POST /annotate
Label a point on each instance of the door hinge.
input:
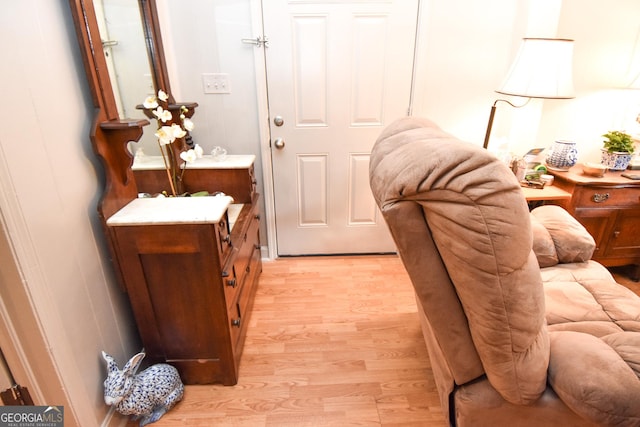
(258, 41)
(16, 396)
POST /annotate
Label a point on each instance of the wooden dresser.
(609, 208)
(191, 266)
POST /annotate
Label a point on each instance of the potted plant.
(617, 150)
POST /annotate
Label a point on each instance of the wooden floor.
(622, 275)
(333, 341)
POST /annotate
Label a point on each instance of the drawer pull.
(232, 282)
(235, 322)
(616, 234)
(600, 197)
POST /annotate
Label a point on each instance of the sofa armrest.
(571, 241)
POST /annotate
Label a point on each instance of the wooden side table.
(609, 208)
(548, 193)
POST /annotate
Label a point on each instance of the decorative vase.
(562, 155)
(616, 161)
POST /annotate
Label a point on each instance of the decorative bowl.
(594, 169)
(547, 179)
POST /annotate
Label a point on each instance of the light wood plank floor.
(332, 341)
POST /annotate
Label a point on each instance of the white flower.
(177, 131)
(162, 95)
(165, 135)
(168, 132)
(188, 124)
(162, 114)
(150, 102)
(199, 151)
(189, 156)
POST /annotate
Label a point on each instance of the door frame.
(27, 356)
(416, 98)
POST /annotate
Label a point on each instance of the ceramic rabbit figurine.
(147, 395)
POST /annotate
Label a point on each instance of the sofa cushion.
(572, 241)
(627, 345)
(584, 297)
(593, 379)
(543, 245)
(594, 326)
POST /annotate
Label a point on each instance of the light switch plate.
(216, 83)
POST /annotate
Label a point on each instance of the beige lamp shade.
(542, 69)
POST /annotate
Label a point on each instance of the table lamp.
(541, 69)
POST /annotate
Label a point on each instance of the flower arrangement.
(172, 131)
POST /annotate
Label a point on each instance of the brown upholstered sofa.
(516, 337)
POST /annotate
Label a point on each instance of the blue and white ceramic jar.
(562, 155)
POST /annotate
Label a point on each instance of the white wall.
(204, 36)
(470, 46)
(606, 56)
(48, 196)
(466, 48)
(463, 54)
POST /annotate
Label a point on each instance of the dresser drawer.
(244, 240)
(230, 280)
(250, 242)
(595, 197)
(240, 309)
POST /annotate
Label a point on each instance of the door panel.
(312, 191)
(337, 73)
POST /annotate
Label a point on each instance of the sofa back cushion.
(479, 221)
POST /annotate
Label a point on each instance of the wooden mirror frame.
(155, 49)
(109, 134)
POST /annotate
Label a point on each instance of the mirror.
(122, 38)
(124, 61)
(132, 46)
(120, 77)
(111, 133)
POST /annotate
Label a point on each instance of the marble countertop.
(232, 161)
(233, 213)
(172, 210)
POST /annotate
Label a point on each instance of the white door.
(338, 72)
